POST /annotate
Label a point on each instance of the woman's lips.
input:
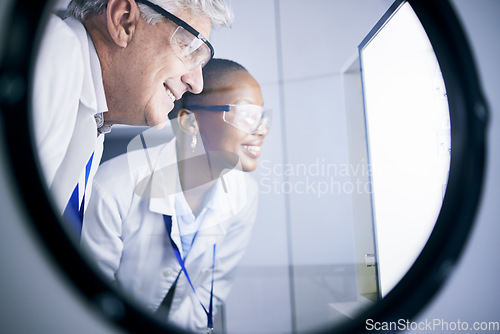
(252, 149)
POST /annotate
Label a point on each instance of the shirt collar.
(95, 67)
(92, 94)
(102, 106)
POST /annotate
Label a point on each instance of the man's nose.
(194, 80)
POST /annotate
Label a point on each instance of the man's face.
(148, 75)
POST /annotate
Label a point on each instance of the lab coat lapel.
(220, 211)
(228, 198)
(205, 240)
(221, 208)
(162, 186)
(84, 139)
(79, 150)
(92, 94)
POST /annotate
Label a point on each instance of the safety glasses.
(249, 118)
(189, 45)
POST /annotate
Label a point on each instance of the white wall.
(302, 254)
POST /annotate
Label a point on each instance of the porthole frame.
(469, 118)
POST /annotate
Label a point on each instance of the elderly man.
(112, 62)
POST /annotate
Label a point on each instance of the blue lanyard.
(74, 209)
(209, 312)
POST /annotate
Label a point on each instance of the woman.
(186, 208)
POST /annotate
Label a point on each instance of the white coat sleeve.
(102, 230)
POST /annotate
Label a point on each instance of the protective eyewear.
(249, 118)
(189, 45)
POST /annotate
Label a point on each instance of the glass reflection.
(169, 224)
(317, 254)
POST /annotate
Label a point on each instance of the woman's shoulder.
(129, 167)
(241, 187)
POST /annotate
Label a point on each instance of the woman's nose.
(262, 130)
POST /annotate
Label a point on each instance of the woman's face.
(217, 135)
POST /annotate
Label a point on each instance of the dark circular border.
(468, 113)
(468, 117)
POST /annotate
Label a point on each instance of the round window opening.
(414, 141)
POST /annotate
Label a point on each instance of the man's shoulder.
(61, 47)
(62, 30)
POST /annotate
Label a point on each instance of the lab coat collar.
(92, 94)
(163, 189)
(95, 65)
(225, 199)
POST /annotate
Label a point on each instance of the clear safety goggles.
(249, 118)
(189, 45)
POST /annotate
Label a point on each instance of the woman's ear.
(187, 121)
(122, 17)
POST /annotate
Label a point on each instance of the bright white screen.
(408, 133)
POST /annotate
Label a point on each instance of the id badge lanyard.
(74, 209)
(209, 312)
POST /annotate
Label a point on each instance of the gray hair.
(217, 11)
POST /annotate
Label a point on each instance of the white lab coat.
(67, 93)
(124, 232)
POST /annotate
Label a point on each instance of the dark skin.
(219, 145)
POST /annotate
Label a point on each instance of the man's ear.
(187, 121)
(122, 17)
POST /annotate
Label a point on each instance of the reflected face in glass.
(218, 135)
(148, 75)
